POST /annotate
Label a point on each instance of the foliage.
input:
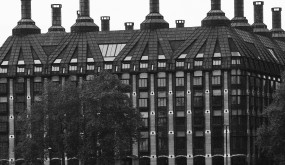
(92, 120)
(271, 135)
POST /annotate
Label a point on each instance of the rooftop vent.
(129, 26)
(105, 23)
(239, 21)
(277, 31)
(258, 26)
(26, 25)
(56, 19)
(154, 20)
(84, 23)
(216, 17)
(180, 23)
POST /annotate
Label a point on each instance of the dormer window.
(199, 60)
(90, 66)
(143, 65)
(217, 59)
(161, 64)
(198, 63)
(3, 69)
(108, 66)
(21, 69)
(179, 64)
(55, 68)
(38, 69)
(126, 66)
(72, 67)
(182, 56)
(144, 58)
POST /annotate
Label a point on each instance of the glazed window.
(38, 69)
(90, 67)
(179, 64)
(3, 70)
(108, 66)
(143, 99)
(198, 78)
(161, 79)
(125, 78)
(161, 100)
(55, 68)
(111, 50)
(143, 65)
(144, 117)
(144, 142)
(126, 66)
(179, 79)
(161, 64)
(216, 77)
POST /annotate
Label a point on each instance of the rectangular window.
(161, 79)
(143, 99)
(236, 76)
(3, 126)
(108, 66)
(144, 119)
(198, 78)
(3, 88)
(144, 142)
(217, 62)
(180, 102)
(236, 61)
(3, 70)
(143, 65)
(38, 87)
(55, 68)
(217, 97)
(90, 67)
(161, 101)
(126, 66)
(198, 98)
(198, 63)
(19, 87)
(161, 64)
(3, 108)
(4, 146)
(20, 69)
(38, 69)
(179, 64)
(143, 83)
(216, 77)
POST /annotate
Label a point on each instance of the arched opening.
(181, 161)
(200, 160)
(162, 161)
(218, 160)
(144, 161)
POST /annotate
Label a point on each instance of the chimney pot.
(180, 23)
(26, 9)
(276, 17)
(239, 8)
(154, 6)
(105, 23)
(56, 19)
(215, 4)
(129, 26)
(85, 8)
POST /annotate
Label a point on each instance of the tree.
(271, 134)
(92, 120)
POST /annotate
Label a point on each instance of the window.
(55, 68)
(217, 118)
(144, 142)
(273, 54)
(216, 77)
(111, 50)
(143, 80)
(179, 64)
(161, 100)
(108, 66)
(179, 78)
(19, 87)
(217, 61)
(235, 76)
(3, 88)
(198, 63)
(20, 69)
(72, 67)
(143, 65)
(236, 96)
(217, 98)
(3, 108)
(197, 80)
(143, 99)
(161, 64)
(236, 61)
(180, 98)
(126, 66)
(4, 146)
(198, 98)
(144, 119)
(161, 80)
(125, 78)
(90, 67)
(38, 69)
(3, 70)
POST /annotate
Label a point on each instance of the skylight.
(273, 54)
(182, 56)
(111, 50)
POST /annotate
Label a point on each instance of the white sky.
(121, 11)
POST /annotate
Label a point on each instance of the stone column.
(171, 159)
(208, 147)
(227, 159)
(134, 96)
(190, 160)
(153, 159)
(11, 124)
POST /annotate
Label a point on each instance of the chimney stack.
(26, 25)
(258, 26)
(239, 21)
(154, 20)
(105, 23)
(277, 31)
(129, 26)
(216, 17)
(180, 23)
(56, 19)
(84, 23)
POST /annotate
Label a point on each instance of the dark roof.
(257, 53)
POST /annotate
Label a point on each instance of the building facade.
(200, 90)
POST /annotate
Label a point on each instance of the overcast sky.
(192, 11)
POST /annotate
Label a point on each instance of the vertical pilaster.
(153, 159)
(248, 119)
(29, 99)
(171, 159)
(227, 151)
(134, 97)
(190, 160)
(47, 159)
(62, 81)
(208, 148)
(11, 124)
